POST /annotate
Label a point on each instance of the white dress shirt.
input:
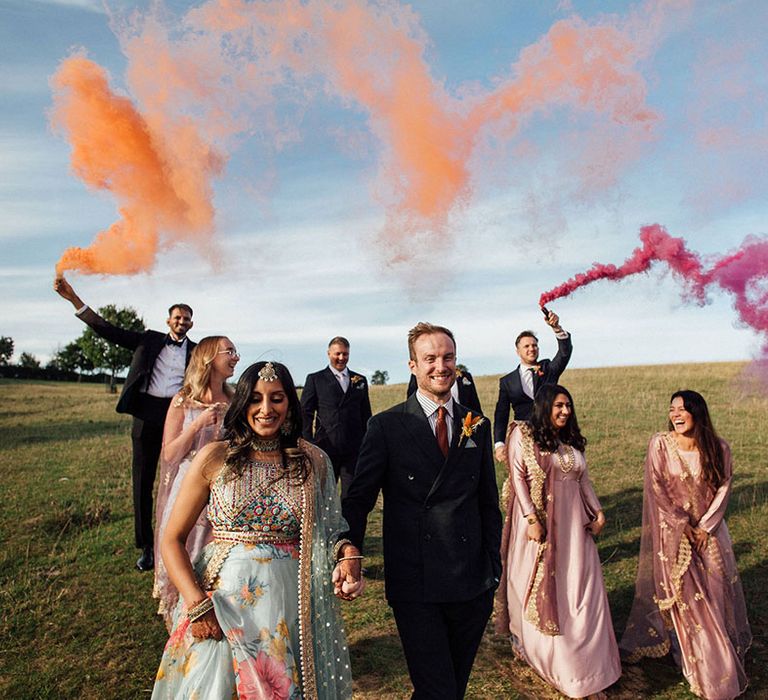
(168, 373)
(342, 377)
(430, 411)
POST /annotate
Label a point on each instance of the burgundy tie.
(441, 431)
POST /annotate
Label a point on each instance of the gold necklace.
(566, 465)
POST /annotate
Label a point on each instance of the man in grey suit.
(156, 374)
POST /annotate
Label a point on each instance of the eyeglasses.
(230, 352)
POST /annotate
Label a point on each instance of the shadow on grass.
(378, 661)
(23, 436)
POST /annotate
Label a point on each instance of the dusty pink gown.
(575, 649)
(686, 602)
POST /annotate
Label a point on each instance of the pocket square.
(470, 443)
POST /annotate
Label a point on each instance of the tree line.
(85, 355)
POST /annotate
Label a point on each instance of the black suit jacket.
(467, 391)
(146, 346)
(442, 524)
(511, 388)
(333, 419)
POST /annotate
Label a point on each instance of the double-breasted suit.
(511, 391)
(148, 411)
(335, 420)
(465, 387)
(442, 533)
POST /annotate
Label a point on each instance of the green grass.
(77, 621)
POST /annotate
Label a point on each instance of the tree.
(101, 353)
(462, 368)
(71, 358)
(29, 361)
(6, 349)
(380, 377)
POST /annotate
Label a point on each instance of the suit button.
(427, 507)
(427, 538)
(410, 477)
(463, 538)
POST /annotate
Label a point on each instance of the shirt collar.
(343, 373)
(429, 406)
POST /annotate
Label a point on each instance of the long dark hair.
(707, 441)
(238, 434)
(544, 433)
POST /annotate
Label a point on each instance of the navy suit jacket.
(467, 391)
(511, 389)
(442, 524)
(333, 419)
(146, 346)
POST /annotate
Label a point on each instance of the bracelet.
(337, 548)
(356, 556)
(197, 611)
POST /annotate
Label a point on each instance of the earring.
(287, 426)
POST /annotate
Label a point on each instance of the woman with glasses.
(193, 420)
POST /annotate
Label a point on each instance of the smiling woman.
(688, 595)
(552, 597)
(257, 615)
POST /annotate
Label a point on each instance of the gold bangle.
(338, 546)
(356, 556)
(200, 609)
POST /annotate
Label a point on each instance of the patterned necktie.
(441, 431)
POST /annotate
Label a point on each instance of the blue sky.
(296, 228)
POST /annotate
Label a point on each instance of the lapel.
(519, 381)
(335, 387)
(454, 451)
(417, 426)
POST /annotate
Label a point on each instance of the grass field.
(77, 621)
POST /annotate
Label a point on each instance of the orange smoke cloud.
(162, 187)
(229, 63)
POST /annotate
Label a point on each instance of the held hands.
(347, 578)
(596, 526)
(500, 453)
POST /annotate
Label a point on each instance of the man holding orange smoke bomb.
(518, 388)
(156, 374)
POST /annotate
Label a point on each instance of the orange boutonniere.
(471, 424)
(459, 373)
(355, 378)
(538, 371)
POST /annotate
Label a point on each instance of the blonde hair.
(198, 374)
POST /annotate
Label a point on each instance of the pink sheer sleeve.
(519, 472)
(711, 520)
(588, 495)
(657, 471)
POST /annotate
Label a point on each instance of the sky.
(300, 170)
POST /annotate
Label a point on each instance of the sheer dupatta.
(526, 461)
(697, 597)
(180, 414)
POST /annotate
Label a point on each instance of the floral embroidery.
(252, 591)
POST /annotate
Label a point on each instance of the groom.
(432, 459)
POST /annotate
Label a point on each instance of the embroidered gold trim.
(654, 651)
(309, 681)
(531, 613)
(678, 571)
(212, 569)
(254, 537)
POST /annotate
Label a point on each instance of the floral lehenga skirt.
(256, 604)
